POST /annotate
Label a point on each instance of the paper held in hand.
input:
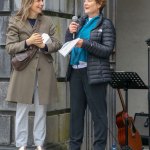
(46, 38)
(67, 47)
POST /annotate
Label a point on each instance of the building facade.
(131, 19)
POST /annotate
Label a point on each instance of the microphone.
(74, 19)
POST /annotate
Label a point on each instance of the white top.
(82, 64)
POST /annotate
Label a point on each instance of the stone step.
(48, 147)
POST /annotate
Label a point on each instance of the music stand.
(127, 80)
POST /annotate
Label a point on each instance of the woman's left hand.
(79, 43)
(41, 45)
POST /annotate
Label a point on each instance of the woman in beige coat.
(36, 84)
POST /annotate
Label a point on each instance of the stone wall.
(58, 114)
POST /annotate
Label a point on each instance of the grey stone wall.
(58, 114)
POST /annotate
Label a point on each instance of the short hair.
(102, 2)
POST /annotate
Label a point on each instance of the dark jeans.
(83, 94)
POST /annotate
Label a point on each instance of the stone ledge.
(47, 147)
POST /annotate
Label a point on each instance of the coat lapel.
(37, 24)
(29, 29)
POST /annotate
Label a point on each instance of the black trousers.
(81, 95)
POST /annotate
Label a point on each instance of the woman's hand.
(79, 43)
(73, 27)
(35, 39)
(41, 45)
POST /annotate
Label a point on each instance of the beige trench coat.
(21, 86)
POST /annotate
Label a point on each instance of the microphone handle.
(73, 36)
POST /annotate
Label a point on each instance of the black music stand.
(127, 80)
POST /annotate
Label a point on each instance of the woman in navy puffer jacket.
(89, 72)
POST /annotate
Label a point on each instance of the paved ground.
(48, 147)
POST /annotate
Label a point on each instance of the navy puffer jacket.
(100, 46)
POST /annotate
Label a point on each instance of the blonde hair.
(23, 13)
(102, 2)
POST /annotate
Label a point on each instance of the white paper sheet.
(67, 47)
(46, 38)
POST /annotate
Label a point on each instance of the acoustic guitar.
(134, 138)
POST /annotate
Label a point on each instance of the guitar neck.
(121, 99)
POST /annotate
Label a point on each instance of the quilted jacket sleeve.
(101, 46)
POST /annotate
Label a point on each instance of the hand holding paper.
(68, 46)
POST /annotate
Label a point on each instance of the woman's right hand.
(34, 39)
(73, 27)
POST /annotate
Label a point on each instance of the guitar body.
(134, 138)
